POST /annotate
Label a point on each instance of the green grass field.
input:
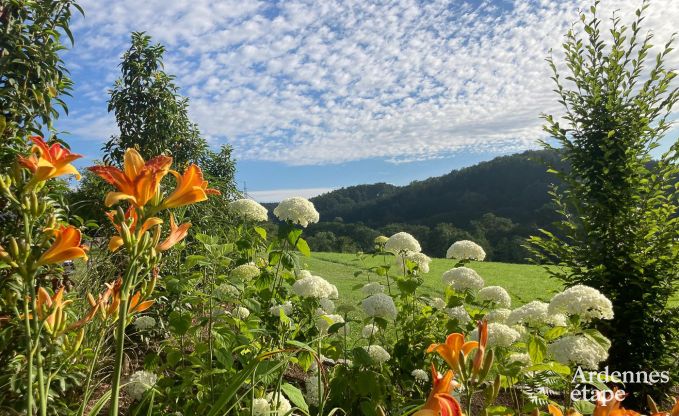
(524, 282)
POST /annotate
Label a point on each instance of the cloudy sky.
(318, 94)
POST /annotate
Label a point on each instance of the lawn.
(524, 282)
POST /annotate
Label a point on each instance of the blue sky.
(318, 95)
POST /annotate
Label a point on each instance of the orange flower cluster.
(613, 407)
(47, 162)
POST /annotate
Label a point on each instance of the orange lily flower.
(138, 182)
(440, 402)
(136, 306)
(131, 218)
(45, 302)
(612, 407)
(48, 162)
(483, 340)
(450, 350)
(555, 411)
(113, 292)
(191, 188)
(177, 234)
(66, 246)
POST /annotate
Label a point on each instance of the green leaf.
(303, 247)
(499, 410)
(179, 322)
(584, 407)
(537, 350)
(295, 395)
(261, 232)
(555, 332)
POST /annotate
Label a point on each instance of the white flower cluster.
(420, 376)
(278, 403)
(245, 272)
(463, 279)
(369, 330)
(459, 313)
(421, 259)
(532, 313)
(286, 307)
(499, 335)
(380, 305)
(314, 287)
(578, 350)
(438, 303)
(225, 291)
(498, 315)
(260, 407)
(139, 383)
(372, 288)
(519, 357)
(377, 354)
(583, 301)
(327, 305)
(249, 210)
(241, 312)
(144, 322)
(466, 250)
(324, 322)
(496, 295)
(297, 210)
(402, 243)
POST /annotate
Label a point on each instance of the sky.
(319, 94)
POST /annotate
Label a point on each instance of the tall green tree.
(620, 231)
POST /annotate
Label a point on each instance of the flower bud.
(14, 248)
(34, 205)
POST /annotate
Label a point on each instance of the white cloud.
(277, 195)
(308, 82)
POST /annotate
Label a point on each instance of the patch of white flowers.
(532, 313)
(498, 315)
(286, 307)
(297, 210)
(369, 331)
(327, 305)
(496, 295)
(466, 250)
(372, 288)
(249, 210)
(139, 383)
(144, 322)
(377, 354)
(261, 407)
(402, 243)
(380, 305)
(583, 301)
(420, 376)
(463, 279)
(324, 322)
(519, 357)
(314, 287)
(438, 303)
(459, 313)
(421, 259)
(245, 272)
(499, 335)
(280, 405)
(225, 291)
(578, 350)
(241, 312)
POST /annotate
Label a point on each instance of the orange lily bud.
(66, 246)
(46, 162)
(483, 340)
(440, 402)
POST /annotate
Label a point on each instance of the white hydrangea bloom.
(326, 321)
(578, 350)
(466, 250)
(421, 259)
(372, 288)
(377, 354)
(522, 330)
(558, 319)
(463, 279)
(519, 357)
(380, 305)
(498, 315)
(144, 322)
(420, 376)
(249, 210)
(327, 305)
(584, 301)
(297, 210)
(438, 303)
(347, 362)
(496, 295)
(370, 330)
(459, 313)
(225, 291)
(241, 312)
(314, 287)
(139, 383)
(280, 405)
(401, 243)
(286, 307)
(261, 407)
(245, 272)
(303, 273)
(381, 239)
(533, 313)
(499, 335)
(312, 390)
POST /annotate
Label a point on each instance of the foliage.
(619, 227)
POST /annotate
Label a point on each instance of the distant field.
(524, 282)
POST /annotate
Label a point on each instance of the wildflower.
(261, 407)
(372, 288)
(498, 315)
(450, 350)
(139, 383)
(578, 350)
(66, 246)
(248, 210)
(324, 322)
(466, 250)
(314, 287)
(402, 243)
(534, 313)
(369, 331)
(144, 322)
(496, 295)
(420, 376)
(297, 210)
(49, 162)
(138, 182)
(420, 259)
(286, 308)
(459, 313)
(380, 305)
(377, 354)
(440, 402)
(583, 301)
(245, 272)
(499, 335)
(463, 279)
(176, 235)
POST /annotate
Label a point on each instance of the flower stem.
(120, 347)
(29, 359)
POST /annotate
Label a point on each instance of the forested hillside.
(497, 203)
